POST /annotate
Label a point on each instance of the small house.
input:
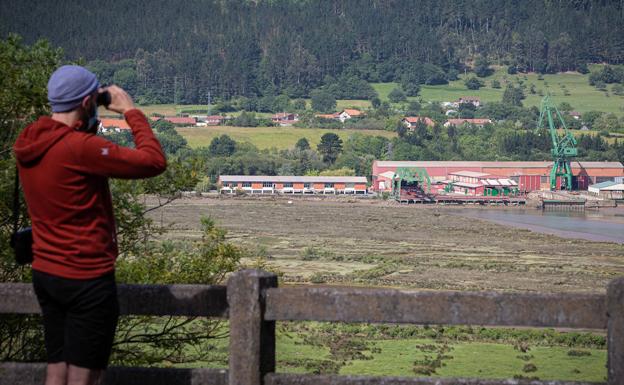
(411, 121)
(474, 100)
(461, 122)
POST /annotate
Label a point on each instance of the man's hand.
(120, 100)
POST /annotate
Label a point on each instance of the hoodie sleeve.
(101, 157)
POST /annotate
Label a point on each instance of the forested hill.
(244, 47)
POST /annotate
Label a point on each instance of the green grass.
(268, 137)
(482, 360)
(312, 347)
(582, 96)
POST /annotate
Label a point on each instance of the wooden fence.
(253, 302)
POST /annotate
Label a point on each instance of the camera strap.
(16, 203)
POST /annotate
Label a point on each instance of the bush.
(397, 95)
(578, 353)
(323, 101)
(473, 83)
(529, 368)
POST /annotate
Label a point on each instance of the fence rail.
(253, 303)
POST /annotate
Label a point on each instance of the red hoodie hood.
(36, 139)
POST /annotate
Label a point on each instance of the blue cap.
(68, 85)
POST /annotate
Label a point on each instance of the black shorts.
(79, 318)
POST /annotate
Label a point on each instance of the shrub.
(578, 353)
(529, 368)
(473, 83)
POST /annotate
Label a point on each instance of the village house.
(349, 114)
(116, 125)
(474, 100)
(335, 115)
(411, 121)
(575, 114)
(285, 119)
(214, 120)
(474, 122)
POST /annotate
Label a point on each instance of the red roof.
(353, 112)
(115, 123)
(459, 122)
(416, 119)
(214, 117)
(328, 116)
(180, 120)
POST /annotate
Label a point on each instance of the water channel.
(605, 225)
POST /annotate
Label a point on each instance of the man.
(64, 169)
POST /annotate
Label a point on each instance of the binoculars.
(103, 99)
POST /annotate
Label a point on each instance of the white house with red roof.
(411, 121)
(285, 119)
(349, 113)
(116, 125)
(461, 122)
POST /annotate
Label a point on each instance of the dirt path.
(375, 243)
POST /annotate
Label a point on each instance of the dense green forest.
(165, 51)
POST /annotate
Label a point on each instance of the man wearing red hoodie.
(64, 169)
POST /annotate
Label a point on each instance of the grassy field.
(361, 349)
(372, 242)
(581, 95)
(268, 137)
(377, 243)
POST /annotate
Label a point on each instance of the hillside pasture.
(268, 137)
(570, 87)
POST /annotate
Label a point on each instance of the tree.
(513, 95)
(482, 67)
(565, 107)
(495, 84)
(323, 101)
(330, 147)
(473, 83)
(401, 129)
(618, 89)
(302, 144)
(413, 108)
(24, 72)
(410, 83)
(299, 104)
(397, 95)
(222, 146)
(375, 102)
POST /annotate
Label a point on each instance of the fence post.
(615, 332)
(252, 339)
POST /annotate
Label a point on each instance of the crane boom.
(563, 146)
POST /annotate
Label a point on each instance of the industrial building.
(608, 190)
(526, 176)
(263, 184)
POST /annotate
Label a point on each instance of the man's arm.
(99, 156)
(102, 157)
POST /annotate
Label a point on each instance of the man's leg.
(83, 376)
(56, 374)
(54, 318)
(90, 330)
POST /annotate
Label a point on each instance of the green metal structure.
(563, 146)
(410, 175)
